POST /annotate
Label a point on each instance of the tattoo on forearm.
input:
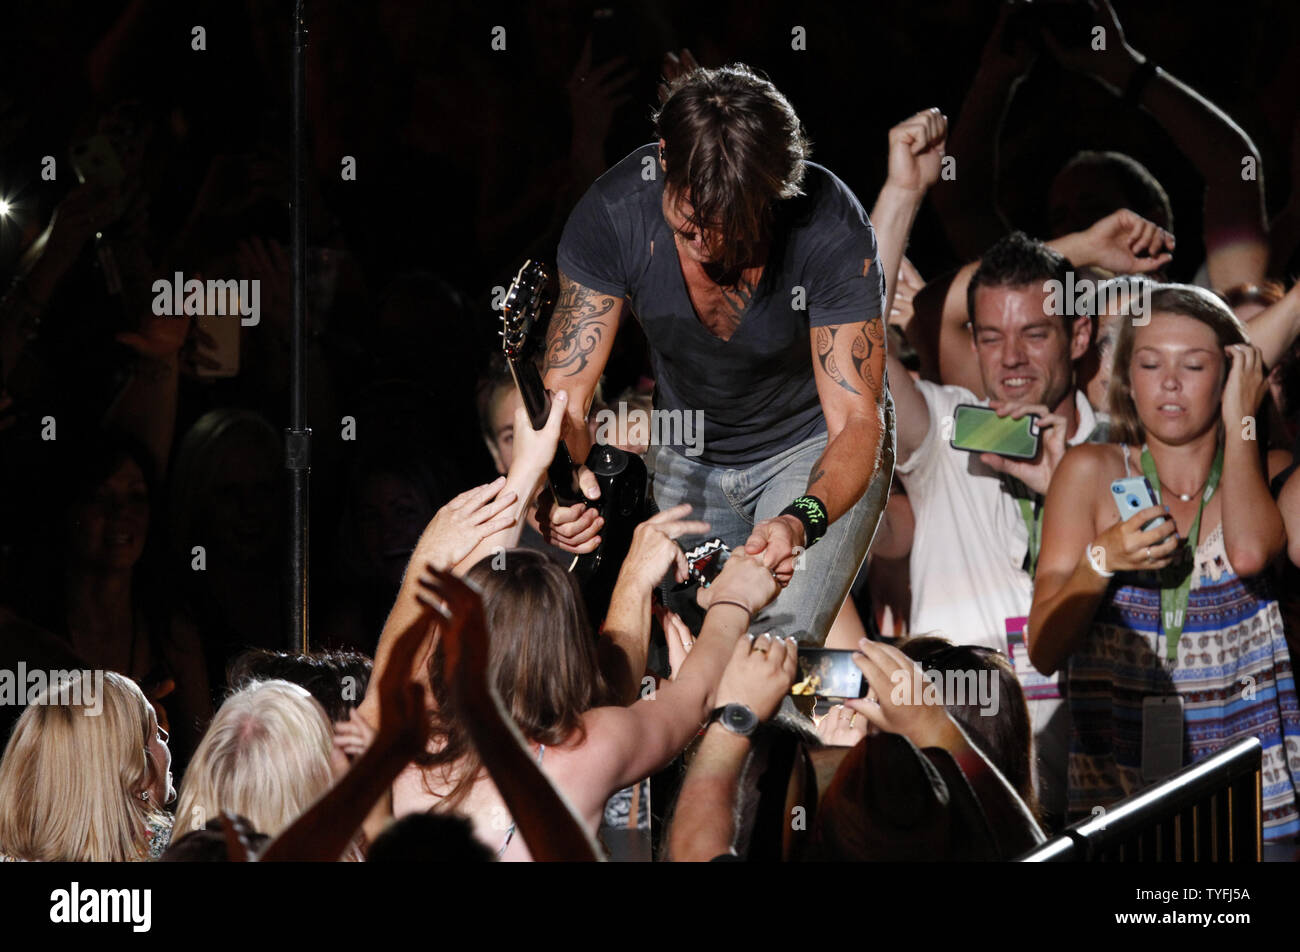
(826, 357)
(816, 476)
(576, 327)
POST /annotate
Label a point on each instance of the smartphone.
(95, 160)
(828, 672)
(980, 430)
(1132, 495)
(1162, 736)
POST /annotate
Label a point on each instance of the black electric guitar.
(624, 501)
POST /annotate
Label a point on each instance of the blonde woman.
(268, 755)
(85, 776)
(1180, 611)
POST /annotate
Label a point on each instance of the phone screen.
(828, 672)
(981, 430)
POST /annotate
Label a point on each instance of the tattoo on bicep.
(825, 344)
(577, 326)
(864, 345)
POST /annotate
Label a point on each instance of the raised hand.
(464, 522)
(1116, 242)
(464, 641)
(595, 93)
(677, 636)
(654, 550)
(675, 66)
(780, 542)
(916, 151)
(1036, 473)
(1110, 64)
(759, 674)
(743, 579)
(1245, 387)
(893, 705)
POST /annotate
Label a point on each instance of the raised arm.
(625, 636)
(1236, 231)
(453, 531)
(967, 204)
(638, 740)
(1274, 329)
(1253, 534)
(704, 824)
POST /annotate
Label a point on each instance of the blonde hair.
(266, 757)
(70, 778)
(1184, 300)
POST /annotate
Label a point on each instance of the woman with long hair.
(1171, 601)
(85, 775)
(543, 665)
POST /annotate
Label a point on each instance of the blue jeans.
(733, 500)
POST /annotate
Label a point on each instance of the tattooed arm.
(848, 365)
(578, 343)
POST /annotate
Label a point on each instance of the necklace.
(1188, 497)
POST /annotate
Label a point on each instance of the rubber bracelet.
(811, 511)
(1087, 551)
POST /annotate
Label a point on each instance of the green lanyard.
(1173, 601)
(1031, 510)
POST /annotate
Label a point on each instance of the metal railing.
(1208, 812)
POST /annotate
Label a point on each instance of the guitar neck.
(537, 403)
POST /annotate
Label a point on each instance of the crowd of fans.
(142, 495)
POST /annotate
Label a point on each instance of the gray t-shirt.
(756, 391)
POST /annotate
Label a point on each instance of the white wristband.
(1087, 551)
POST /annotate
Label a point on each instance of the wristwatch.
(736, 718)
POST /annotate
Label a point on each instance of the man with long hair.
(755, 276)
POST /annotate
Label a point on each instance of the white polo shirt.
(968, 547)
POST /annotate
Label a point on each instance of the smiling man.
(755, 276)
(978, 517)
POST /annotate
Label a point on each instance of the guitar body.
(624, 500)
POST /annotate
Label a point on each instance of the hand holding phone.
(1144, 540)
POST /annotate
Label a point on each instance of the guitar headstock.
(525, 304)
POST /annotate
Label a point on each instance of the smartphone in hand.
(980, 430)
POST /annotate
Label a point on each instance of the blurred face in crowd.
(391, 514)
(1176, 374)
(502, 444)
(241, 507)
(1082, 195)
(109, 528)
(1025, 354)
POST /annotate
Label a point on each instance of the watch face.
(738, 718)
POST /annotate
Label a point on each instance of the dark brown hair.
(1005, 737)
(541, 661)
(733, 147)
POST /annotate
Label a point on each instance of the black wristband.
(811, 511)
(1137, 83)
